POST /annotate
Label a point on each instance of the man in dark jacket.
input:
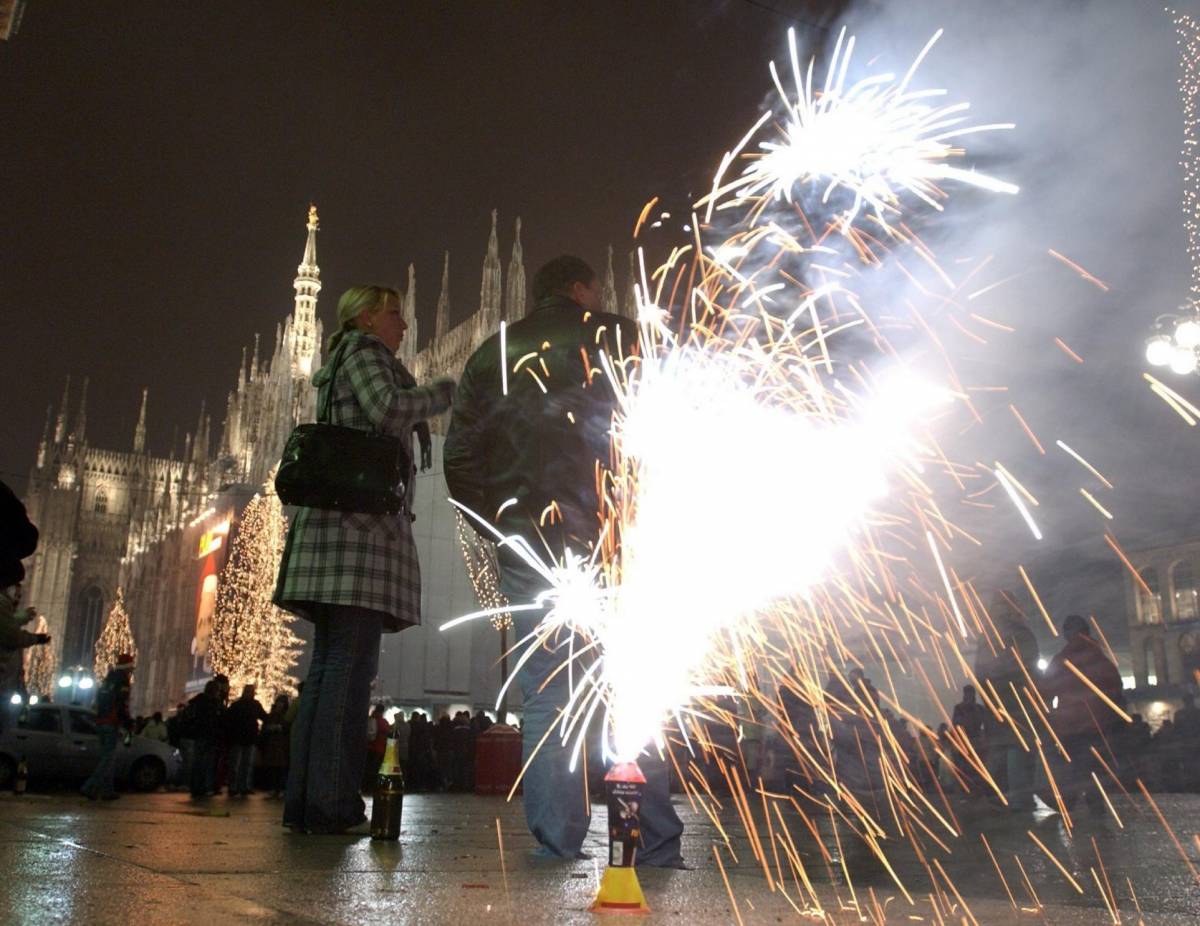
(112, 715)
(1005, 664)
(1082, 718)
(241, 733)
(528, 431)
(201, 721)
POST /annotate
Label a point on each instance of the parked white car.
(59, 741)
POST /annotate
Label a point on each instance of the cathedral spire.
(514, 296)
(609, 294)
(60, 423)
(196, 441)
(408, 347)
(45, 441)
(490, 291)
(441, 322)
(79, 432)
(631, 309)
(302, 348)
(139, 433)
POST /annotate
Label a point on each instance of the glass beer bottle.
(389, 795)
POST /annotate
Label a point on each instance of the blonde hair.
(351, 305)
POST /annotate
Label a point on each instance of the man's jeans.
(327, 754)
(555, 799)
(1017, 767)
(101, 783)
(241, 768)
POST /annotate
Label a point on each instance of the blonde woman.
(354, 575)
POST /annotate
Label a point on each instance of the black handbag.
(327, 465)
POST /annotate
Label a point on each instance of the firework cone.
(620, 891)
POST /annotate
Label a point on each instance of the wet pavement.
(160, 858)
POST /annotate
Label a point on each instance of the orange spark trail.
(1066, 350)
(1137, 576)
(1074, 266)
(1029, 431)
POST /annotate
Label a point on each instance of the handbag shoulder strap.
(326, 409)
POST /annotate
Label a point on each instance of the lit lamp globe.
(1187, 334)
(1183, 361)
(1159, 351)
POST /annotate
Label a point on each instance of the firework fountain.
(773, 510)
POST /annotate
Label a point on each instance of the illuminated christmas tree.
(40, 663)
(116, 638)
(252, 640)
(483, 569)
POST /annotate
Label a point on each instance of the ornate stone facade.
(110, 517)
(1164, 616)
(99, 511)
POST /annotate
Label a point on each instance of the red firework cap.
(625, 771)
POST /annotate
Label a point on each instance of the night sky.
(158, 160)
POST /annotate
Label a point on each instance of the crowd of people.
(236, 747)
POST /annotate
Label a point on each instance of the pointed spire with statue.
(303, 349)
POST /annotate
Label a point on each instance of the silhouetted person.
(241, 732)
(273, 746)
(155, 728)
(970, 716)
(201, 719)
(112, 716)
(1008, 661)
(1082, 719)
(1135, 758)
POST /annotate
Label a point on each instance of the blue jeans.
(101, 783)
(1017, 766)
(327, 751)
(555, 799)
(241, 768)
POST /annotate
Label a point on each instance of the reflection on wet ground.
(149, 859)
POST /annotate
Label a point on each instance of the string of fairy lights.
(1175, 342)
(483, 570)
(1187, 37)
(252, 641)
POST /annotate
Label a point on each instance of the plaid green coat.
(347, 558)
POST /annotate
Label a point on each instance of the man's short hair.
(1075, 624)
(558, 276)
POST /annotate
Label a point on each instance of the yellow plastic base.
(620, 892)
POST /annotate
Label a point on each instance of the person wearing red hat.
(112, 713)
